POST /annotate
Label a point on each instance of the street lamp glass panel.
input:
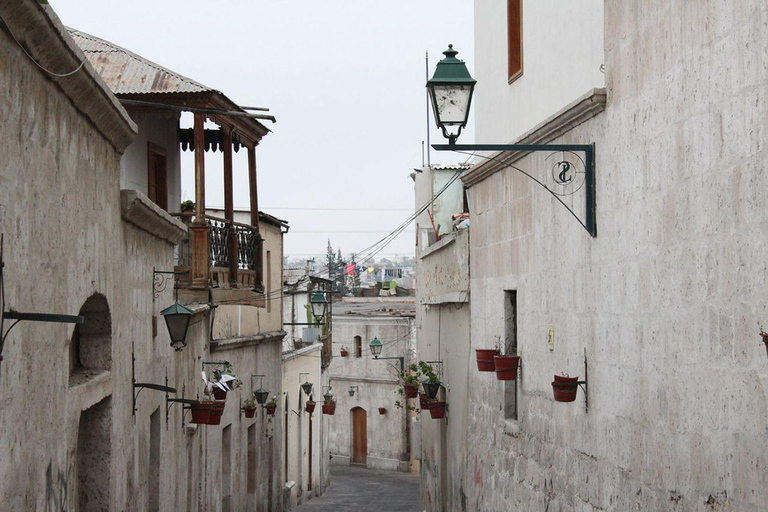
(450, 103)
(307, 387)
(376, 346)
(177, 319)
(319, 305)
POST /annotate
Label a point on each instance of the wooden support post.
(200, 251)
(254, 194)
(229, 208)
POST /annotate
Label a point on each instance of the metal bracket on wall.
(581, 383)
(148, 385)
(565, 173)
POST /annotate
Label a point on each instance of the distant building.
(368, 428)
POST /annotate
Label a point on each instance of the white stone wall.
(666, 301)
(562, 54)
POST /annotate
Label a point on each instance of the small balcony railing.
(224, 239)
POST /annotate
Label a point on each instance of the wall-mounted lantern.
(319, 305)
(260, 394)
(352, 390)
(450, 90)
(177, 319)
(376, 347)
(307, 386)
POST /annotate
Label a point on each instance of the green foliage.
(187, 206)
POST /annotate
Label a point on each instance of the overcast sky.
(345, 80)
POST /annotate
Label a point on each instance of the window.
(514, 39)
(510, 347)
(157, 178)
(358, 346)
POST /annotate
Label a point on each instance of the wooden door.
(157, 179)
(359, 436)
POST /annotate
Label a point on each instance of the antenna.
(426, 70)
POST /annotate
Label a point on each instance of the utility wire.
(60, 75)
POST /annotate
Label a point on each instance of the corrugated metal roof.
(128, 73)
(452, 167)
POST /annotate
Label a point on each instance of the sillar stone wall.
(666, 301)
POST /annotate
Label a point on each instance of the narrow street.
(359, 489)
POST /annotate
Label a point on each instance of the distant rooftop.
(375, 306)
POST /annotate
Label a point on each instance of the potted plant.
(423, 401)
(329, 407)
(271, 406)
(485, 358)
(431, 384)
(187, 206)
(224, 380)
(201, 412)
(565, 388)
(506, 365)
(344, 351)
(437, 409)
(411, 382)
(309, 406)
(217, 410)
(382, 410)
(249, 407)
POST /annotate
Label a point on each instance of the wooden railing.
(225, 239)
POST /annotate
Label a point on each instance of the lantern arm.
(589, 168)
(399, 358)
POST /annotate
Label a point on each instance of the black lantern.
(352, 390)
(177, 319)
(307, 387)
(319, 305)
(261, 395)
(450, 89)
(375, 346)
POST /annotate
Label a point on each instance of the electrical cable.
(60, 75)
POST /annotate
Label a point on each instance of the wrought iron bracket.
(565, 176)
(581, 383)
(160, 280)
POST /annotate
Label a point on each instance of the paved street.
(366, 490)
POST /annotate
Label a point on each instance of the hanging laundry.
(350, 269)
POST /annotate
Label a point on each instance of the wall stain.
(56, 489)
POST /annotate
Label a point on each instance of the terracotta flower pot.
(217, 410)
(437, 410)
(201, 413)
(382, 410)
(271, 409)
(411, 391)
(310, 406)
(219, 394)
(431, 389)
(565, 388)
(329, 409)
(423, 401)
(344, 353)
(250, 413)
(506, 367)
(485, 359)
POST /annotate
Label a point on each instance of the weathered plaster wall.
(65, 241)
(377, 386)
(443, 322)
(665, 301)
(306, 360)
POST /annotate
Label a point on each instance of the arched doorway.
(359, 436)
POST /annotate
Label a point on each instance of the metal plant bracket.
(569, 173)
(581, 383)
(138, 386)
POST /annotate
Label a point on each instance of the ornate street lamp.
(450, 90)
(376, 347)
(177, 319)
(319, 305)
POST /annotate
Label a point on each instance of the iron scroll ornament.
(589, 223)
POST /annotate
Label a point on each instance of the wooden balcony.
(221, 259)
